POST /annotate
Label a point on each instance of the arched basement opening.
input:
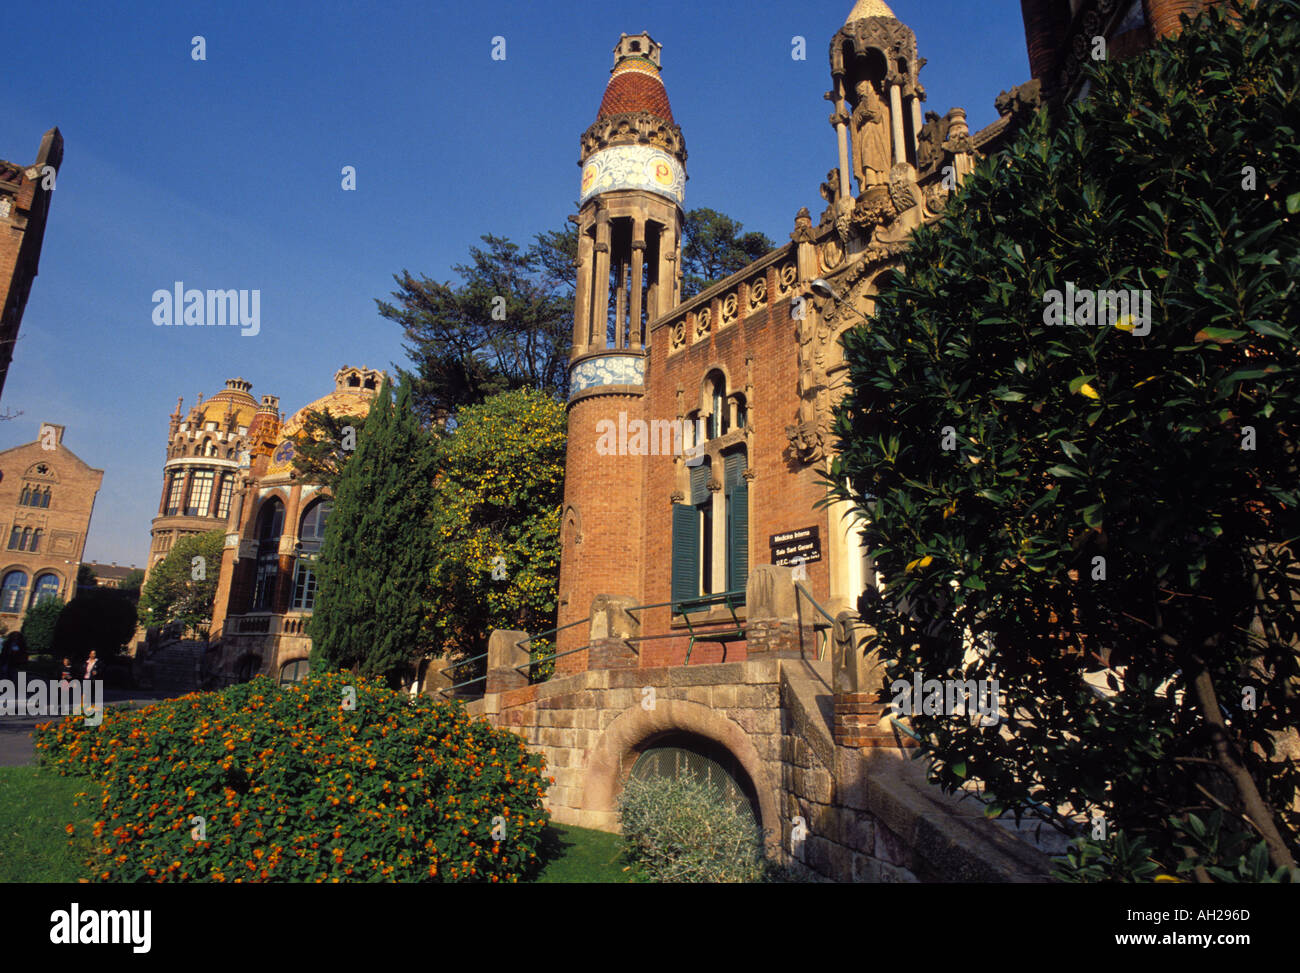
(685, 754)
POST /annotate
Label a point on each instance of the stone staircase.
(176, 665)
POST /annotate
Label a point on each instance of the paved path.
(16, 748)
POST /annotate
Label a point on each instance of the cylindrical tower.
(633, 162)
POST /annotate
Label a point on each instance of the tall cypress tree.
(377, 556)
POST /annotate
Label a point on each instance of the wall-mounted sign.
(802, 546)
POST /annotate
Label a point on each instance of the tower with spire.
(633, 160)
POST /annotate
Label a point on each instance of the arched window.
(270, 525)
(15, 537)
(209, 448)
(311, 533)
(27, 539)
(36, 540)
(719, 421)
(295, 671)
(46, 587)
(45, 499)
(27, 492)
(13, 592)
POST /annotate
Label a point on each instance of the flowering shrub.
(679, 829)
(290, 786)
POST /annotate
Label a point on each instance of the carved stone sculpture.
(871, 150)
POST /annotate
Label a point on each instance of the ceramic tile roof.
(635, 85)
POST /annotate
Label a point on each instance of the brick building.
(47, 495)
(204, 450)
(25, 194)
(274, 528)
(744, 374)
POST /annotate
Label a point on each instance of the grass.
(36, 806)
(582, 855)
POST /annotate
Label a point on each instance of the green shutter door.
(686, 553)
(738, 538)
(737, 491)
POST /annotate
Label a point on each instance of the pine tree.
(377, 556)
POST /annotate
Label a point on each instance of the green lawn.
(583, 855)
(36, 806)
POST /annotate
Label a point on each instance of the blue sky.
(226, 174)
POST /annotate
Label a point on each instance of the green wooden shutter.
(700, 482)
(686, 554)
(738, 542)
(737, 492)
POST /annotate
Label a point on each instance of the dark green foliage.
(38, 626)
(181, 589)
(507, 326)
(321, 446)
(1076, 443)
(103, 619)
(681, 829)
(86, 576)
(132, 582)
(715, 246)
(377, 558)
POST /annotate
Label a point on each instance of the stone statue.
(871, 150)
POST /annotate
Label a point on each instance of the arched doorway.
(686, 755)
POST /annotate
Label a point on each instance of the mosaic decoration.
(607, 370)
(639, 167)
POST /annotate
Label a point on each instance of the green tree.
(507, 325)
(39, 624)
(376, 560)
(715, 246)
(132, 582)
(183, 586)
(1048, 503)
(86, 577)
(500, 488)
(323, 445)
(103, 619)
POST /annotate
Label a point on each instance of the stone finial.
(504, 656)
(610, 618)
(770, 592)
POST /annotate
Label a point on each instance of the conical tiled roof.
(869, 8)
(635, 85)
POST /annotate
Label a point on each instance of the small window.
(36, 540)
(294, 672)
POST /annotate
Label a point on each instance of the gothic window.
(719, 421)
(22, 499)
(36, 540)
(15, 538)
(45, 498)
(200, 494)
(13, 592)
(26, 539)
(209, 448)
(270, 524)
(46, 587)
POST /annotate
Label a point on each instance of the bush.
(38, 626)
(292, 787)
(682, 830)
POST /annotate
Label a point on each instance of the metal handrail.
(801, 589)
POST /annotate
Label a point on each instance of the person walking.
(92, 666)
